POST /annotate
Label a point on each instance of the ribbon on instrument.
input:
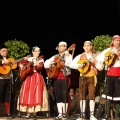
(90, 74)
(95, 80)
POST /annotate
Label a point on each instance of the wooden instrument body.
(86, 66)
(25, 69)
(53, 71)
(5, 69)
(111, 58)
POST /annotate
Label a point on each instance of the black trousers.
(61, 91)
(4, 90)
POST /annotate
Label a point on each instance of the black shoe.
(82, 115)
(59, 117)
(6, 115)
(26, 116)
(33, 116)
(19, 115)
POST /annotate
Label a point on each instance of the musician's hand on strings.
(67, 53)
(52, 64)
(106, 58)
(81, 65)
(93, 61)
(5, 62)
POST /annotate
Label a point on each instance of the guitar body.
(53, 71)
(112, 58)
(5, 69)
(25, 69)
(14, 66)
(85, 68)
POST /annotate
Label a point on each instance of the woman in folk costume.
(87, 80)
(33, 95)
(111, 58)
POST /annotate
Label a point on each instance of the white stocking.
(82, 105)
(92, 105)
(65, 111)
(59, 106)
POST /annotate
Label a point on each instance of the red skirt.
(32, 90)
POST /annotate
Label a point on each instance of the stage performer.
(62, 78)
(4, 79)
(87, 66)
(33, 94)
(111, 59)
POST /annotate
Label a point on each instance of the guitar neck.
(16, 61)
(29, 65)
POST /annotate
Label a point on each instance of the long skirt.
(33, 94)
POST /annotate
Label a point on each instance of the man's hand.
(67, 53)
(5, 62)
(52, 64)
(81, 65)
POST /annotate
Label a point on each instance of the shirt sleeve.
(74, 63)
(47, 62)
(68, 60)
(101, 57)
(99, 66)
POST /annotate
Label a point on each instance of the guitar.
(25, 68)
(86, 64)
(111, 58)
(59, 64)
(5, 68)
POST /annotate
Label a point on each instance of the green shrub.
(17, 48)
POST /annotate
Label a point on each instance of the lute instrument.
(86, 64)
(5, 68)
(53, 71)
(111, 58)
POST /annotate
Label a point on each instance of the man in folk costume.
(62, 80)
(88, 79)
(111, 58)
(4, 79)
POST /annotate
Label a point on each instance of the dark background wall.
(46, 23)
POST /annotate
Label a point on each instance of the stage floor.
(39, 117)
(17, 118)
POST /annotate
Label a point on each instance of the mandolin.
(111, 58)
(5, 69)
(59, 64)
(86, 64)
